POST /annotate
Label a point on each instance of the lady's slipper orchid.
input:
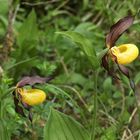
(125, 53)
(122, 54)
(29, 97)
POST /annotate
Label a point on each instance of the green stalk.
(92, 136)
(1, 110)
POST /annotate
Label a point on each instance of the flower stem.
(92, 136)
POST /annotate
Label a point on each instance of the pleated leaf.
(63, 127)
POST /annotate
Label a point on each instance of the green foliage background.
(41, 47)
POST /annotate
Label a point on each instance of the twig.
(64, 66)
(133, 135)
(78, 94)
(130, 137)
(39, 3)
(15, 13)
(129, 121)
(62, 62)
(1, 71)
(110, 118)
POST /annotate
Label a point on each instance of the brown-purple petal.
(118, 29)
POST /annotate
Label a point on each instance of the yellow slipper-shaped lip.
(32, 96)
(125, 53)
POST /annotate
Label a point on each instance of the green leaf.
(3, 7)
(57, 91)
(137, 78)
(63, 127)
(109, 133)
(85, 45)
(85, 4)
(27, 39)
(102, 53)
(4, 135)
(77, 78)
(107, 84)
(21, 63)
(28, 32)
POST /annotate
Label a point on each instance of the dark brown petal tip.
(30, 116)
(118, 29)
(26, 106)
(33, 80)
(125, 71)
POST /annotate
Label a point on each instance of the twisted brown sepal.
(33, 80)
(118, 29)
(105, 64)
(18, 108)
(30, 116)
